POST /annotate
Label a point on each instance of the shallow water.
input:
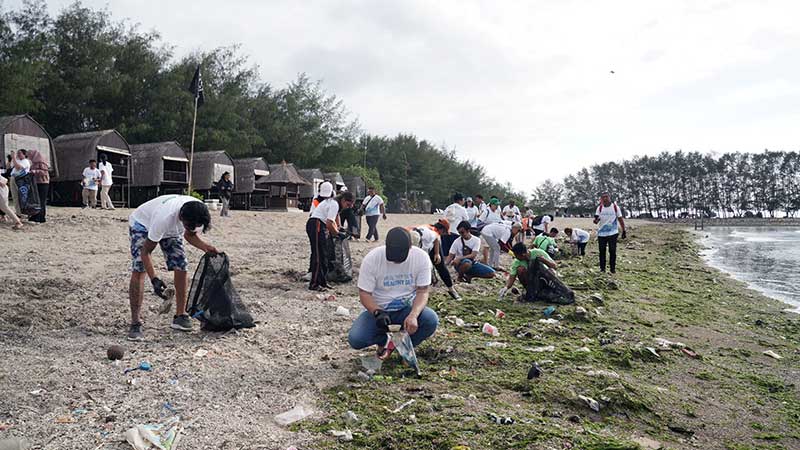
(767, 258)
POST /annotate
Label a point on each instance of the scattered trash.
(143, 366)
(772, 354)
(14, 443)
(402, 343)
(350, 417)
(665, 343)
(760, 323)
(535, 371)
(65, 419)
(597, 298)
(590, 402)
(548, 321)
(381, 378)
(690, 353)
(497, 344)
(401, 407)
(342, 311)
(293, 415)
(115, 352)
(602, 373)
(343, 435)
(412, 419)
(653, 352)
(201, 352)
(583, 350)
(363, 376)
(549, 311)
(456, 321)
(581, 312)
(170, 408)
(38, 392)
(372, 363)
(546, 348)
(499, 314)
(491, 330)
(163, 436)
(500, 420)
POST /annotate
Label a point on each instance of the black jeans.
(441, 268)
(42, 189)
(447, 242)
(582, 248)
(372, 222)
(348, 216)
(611, 243)
(315, 229)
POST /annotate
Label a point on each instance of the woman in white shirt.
(493, 213)
(472, 212)
(321, 222)
(20, 165)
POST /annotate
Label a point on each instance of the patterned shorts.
(171, 247)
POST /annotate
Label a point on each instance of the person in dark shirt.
(225, 187)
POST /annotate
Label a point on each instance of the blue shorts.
(478, 269)
(171, 247)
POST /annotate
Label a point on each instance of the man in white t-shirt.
(511, 212)
(495, 235)
(106, 174)
(393, 287)
(161, 222)
(463, 256)
(609, 219)
(578, 239)
(481, 204)
(319, 226)
(454, 214)
(541, 224)
(373, 207)
(90, 182)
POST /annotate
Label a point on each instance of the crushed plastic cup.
(293, 415)
(342, 311)
(490, 329)
(549, 311)
(499, 314)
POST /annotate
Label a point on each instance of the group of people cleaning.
(24, 172)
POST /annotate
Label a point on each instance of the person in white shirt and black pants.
(611, 225)
(321, 222)
(373, 208)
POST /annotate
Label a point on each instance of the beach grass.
(649, 393)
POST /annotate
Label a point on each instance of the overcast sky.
(523, 88)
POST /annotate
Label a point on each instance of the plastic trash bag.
(162, 436)
(402, 343)
(214, 301)
(340, 266)
(29, 202)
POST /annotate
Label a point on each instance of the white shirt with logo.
(394, 285)
(609, 223)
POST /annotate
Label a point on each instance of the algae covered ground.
(649, 393)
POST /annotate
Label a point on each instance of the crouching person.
(393, 287)
(464, 256)
(535, 270)
(161, 222)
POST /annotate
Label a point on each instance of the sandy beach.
(63, 297)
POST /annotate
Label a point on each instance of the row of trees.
(671, 184)
(82, 70)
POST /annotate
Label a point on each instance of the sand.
(63, 302)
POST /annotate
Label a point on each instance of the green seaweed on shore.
(642, 386)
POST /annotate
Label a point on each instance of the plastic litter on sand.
(293, 415)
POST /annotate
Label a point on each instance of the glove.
(502, 293)
(623, 236)
(159, 287)
(382, 319)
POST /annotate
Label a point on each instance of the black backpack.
(214, 301)
(537, 220)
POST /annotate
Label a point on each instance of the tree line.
(83, 70)
(673, 184)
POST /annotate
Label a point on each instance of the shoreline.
(735, 222)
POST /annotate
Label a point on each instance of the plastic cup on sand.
(490, 329)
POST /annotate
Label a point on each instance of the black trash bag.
(543, 285)
(213, 299)
(28, 200)
(340, 263)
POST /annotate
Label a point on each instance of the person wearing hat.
(493, 214)
(428, 238)
(321, 221)
(393, 288)
(463, 256)
(497, 235)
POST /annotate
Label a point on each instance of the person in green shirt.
(546, 240)
(535, 269)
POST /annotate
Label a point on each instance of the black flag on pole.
(196, 87)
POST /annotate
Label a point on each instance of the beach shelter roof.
(284, 173)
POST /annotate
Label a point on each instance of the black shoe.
(135, 332)
(182, 323)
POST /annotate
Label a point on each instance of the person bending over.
(161, 222)
(497, 238)
(393, 288)
(578, 239)
(464, 253)
(429, 237)
(547, 241)
(535, 270)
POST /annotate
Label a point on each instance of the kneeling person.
(464, 253)
(578, 238)
(161, 222)
(393, 287)
(536, 272)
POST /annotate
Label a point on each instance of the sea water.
(767, 258)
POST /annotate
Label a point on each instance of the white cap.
(326, 190)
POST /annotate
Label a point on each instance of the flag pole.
(191, 153)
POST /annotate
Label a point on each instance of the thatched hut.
(249, 192)
(284, 183)
(336, 179)
(357, 186)
(159, 168)
(307, 192)
(207, 169)
(74, 152)
(23, 132)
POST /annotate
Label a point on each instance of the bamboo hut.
(207, 169)
(249, 192)
(284, 183)
(307, 192)
(74, 152)
(336, 179)
(23, 132)
(357, 186)
(159, 168)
